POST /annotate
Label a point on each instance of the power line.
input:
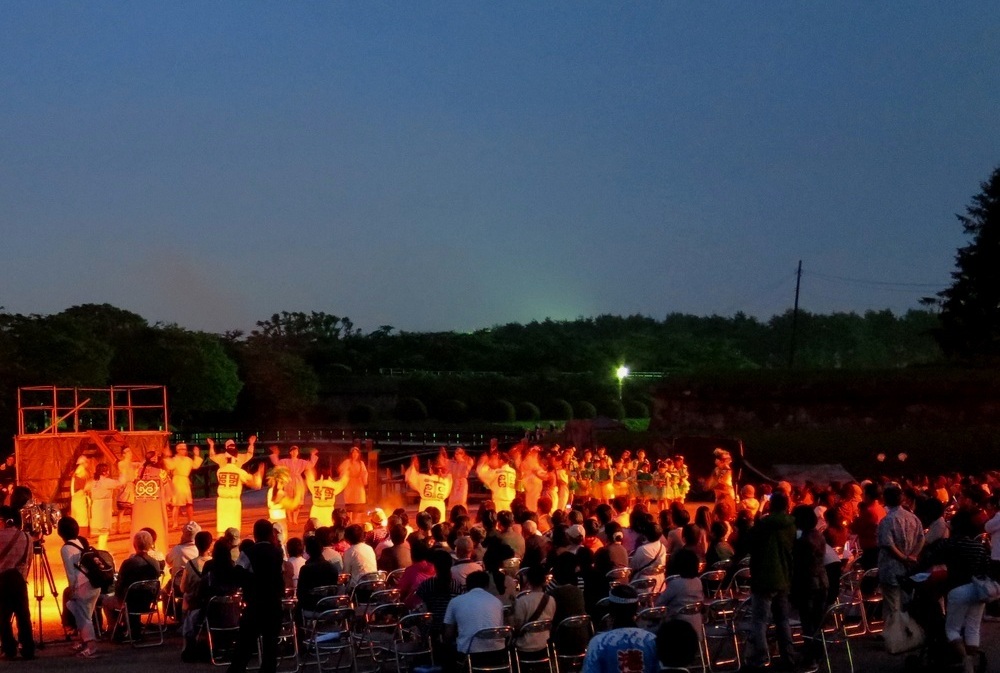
(862, 281)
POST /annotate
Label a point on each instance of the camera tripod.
(41, 573)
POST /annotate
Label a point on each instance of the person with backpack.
(81, 595)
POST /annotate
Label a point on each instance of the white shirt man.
(471, 612)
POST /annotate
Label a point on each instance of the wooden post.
(374, 492)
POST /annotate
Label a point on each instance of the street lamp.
(621, 373)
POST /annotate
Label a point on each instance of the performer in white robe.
(230, 452)
(79, 503)
(127, 469)
(102, 489)
(296, 488)
(498, 476)
(460, 466)
(433, 488)
(324, 490)
(356, 472)
(232, 478)
(181, 465)
(532, 478)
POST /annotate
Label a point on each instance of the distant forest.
(298, 369)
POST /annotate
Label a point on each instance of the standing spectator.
(770, 581)
(809, 581)
(900, 539)
(965, 558)
(565, 589)
(262, 594)
(471, 612)
(625, 648)
(359, 559)
(81, 596)
(865, 526)
(15, 561)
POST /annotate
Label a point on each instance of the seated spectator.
(315, 572)
(616, 550)
(421, 569)
(398, 554)
(624, 641)
(195, 568)
(136, 568)
(435, 593)
(650, 559)
(471, 612)
(220, 576)
(500, 584)
(566, 591)
(676, 644)
(359, 559)
(293, 564)
(685, 590)
(532, 605)
(464, 565)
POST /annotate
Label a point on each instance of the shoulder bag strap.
(540, 609)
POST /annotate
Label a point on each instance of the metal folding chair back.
(739, 584)
(833, 631)
(712, 582)
(643, 584)
(650, 618)
(222, 627)
(412, 642)
(619, 576)
(392, 579)
(489, 651)
(330, 641)
(141, 602)
(570, 640)
(535, 661)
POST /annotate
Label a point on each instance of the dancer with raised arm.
(181, 465)
(498, 476)
(296, 487)
(460, 466)
(433, 488)
(232, 478)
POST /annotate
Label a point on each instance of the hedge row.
(412, 409)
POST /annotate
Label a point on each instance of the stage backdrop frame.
(95, 423)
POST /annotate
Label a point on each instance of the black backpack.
(97, 565)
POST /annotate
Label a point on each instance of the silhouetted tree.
(970, 308)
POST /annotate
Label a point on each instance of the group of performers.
(550, 478)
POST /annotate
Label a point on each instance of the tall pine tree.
(970, 308)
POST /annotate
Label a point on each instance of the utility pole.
(795, 316)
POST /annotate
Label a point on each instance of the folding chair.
(489, 650)
(713, 581)
(142, 600)
(412, 644)
(650, 618)
(379, 629)
(511, 566)
(871, 599)
(173, 602)
(535, 660)
(739, 584)
(832, 631)
(693, 613)
(222, 627)
(719, 628)
(288, 637)
(619, 576)
(362, 594)
(330, 642)
(392, 579)
(570, 640)
(643, 584)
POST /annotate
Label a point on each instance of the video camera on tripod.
(40, 519)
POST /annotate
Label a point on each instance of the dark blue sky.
(454, 166)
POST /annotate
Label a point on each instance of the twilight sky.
(451, 166)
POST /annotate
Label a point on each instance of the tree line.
(315, 368)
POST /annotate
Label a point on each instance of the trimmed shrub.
(584, 409)
(612, 408)
(361, 413)
(526, 411)
(410, 409)
(636, 409)
(453, 411)
(559, 409)
(501, 411)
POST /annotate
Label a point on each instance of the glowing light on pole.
(621, 373)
